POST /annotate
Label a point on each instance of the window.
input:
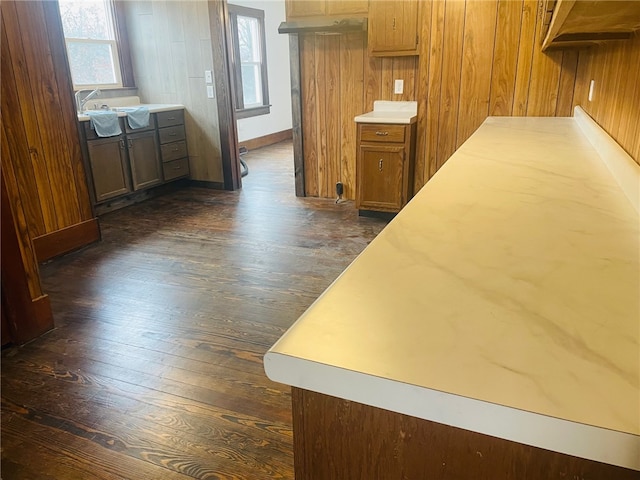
(249, 61)
(92, 49)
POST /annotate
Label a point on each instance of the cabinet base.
(140, 196)
(377, 214)
(335, 438)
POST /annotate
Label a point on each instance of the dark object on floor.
(244, 169)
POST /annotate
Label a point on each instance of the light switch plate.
(398, 87)
(210, 92)
(208, 76)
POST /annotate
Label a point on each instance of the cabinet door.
(393, 28)
(345, 7)
(305, 8)
(144, 160)
(109, 168)
(380, 177)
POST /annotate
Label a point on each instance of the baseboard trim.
(43, 315)
(266, 140)
(207, 184)
(66, 239)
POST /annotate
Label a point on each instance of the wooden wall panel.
(477, 58)
(450, 88)
(352, 96)
(477, 64)
(42, 164)
(526, 47)
(505, 57)
(310, 113)
(422, 92)
(435, 66)
(615, 67)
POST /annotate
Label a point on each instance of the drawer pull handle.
(174, 149)
(171, 118)
(382, 134)
(177, 168)
(173, 134)
(380, 165)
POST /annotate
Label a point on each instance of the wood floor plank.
(154, 369)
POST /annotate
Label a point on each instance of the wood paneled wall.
(338, 82)
(477, 58)
(41, 159)
(615, 67)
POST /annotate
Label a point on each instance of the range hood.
(324, 25)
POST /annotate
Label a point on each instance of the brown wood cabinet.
(144, 160)
(109, 167)
(384, 166)
(138, 159)
(393, 28)
(173, 146)
(341, 439)
(570, 23)
(316, 8)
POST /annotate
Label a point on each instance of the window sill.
(253, 112)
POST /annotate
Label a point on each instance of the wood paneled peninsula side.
(491, 329)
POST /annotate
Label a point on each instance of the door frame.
(225, 91)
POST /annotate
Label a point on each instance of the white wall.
(278, 74)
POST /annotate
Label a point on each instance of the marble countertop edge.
(529, 428)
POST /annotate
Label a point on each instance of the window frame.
(119, 46)
(265, 108)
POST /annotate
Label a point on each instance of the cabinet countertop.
(395, 112)
(502, 299)
(153, 108)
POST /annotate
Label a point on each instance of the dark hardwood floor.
(154, 370)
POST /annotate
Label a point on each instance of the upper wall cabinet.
(312, 8)
(572, 23)
(393, 28)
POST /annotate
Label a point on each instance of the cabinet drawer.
(168, 119)
(175, 169)
(173, 151)
(376, 132)
(171, 134)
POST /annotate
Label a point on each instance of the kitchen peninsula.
(491, 330)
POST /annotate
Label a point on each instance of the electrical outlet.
(210, 92)
(592, 87)
(208, 76)
(398, 87)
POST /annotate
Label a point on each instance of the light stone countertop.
(385, 111)
(503, 299)
(153, 108)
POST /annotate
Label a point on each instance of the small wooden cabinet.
(318, 8)
(393, 28)
(384, 166)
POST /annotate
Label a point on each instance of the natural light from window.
(250, 60)
(91, 43)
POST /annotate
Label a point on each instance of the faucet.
(81, 103)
